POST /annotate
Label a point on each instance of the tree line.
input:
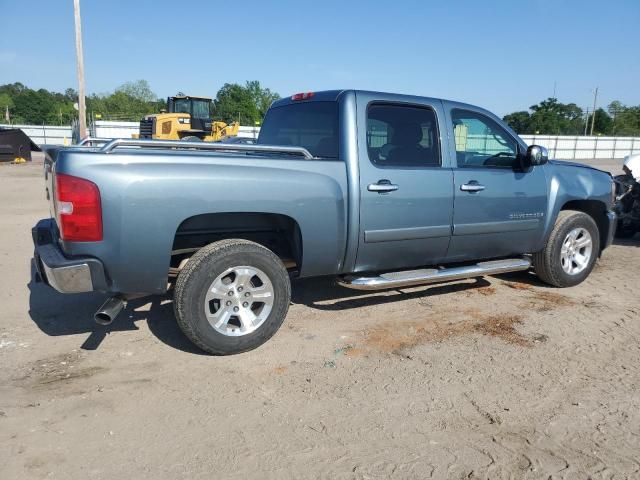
(249, 102)
(551, 117)
(130, 101)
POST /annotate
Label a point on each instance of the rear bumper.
(611, 230)
(66, 275)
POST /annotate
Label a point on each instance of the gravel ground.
(502, 377)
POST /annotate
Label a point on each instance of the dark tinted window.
(402, 136)
(481, 142)
(312, 125)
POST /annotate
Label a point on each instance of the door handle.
(383, 186)
(473, 186)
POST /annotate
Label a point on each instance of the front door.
(406, 195)
(498, 208)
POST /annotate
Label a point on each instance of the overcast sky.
(503, 55)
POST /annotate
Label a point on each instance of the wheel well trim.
(596, 209)
(296, 230)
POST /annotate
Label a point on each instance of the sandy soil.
(497, 378)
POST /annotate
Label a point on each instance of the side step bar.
(433, 275)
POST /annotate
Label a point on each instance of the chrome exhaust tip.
(109, 310)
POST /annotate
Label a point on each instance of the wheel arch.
(278, 232)
(596, 210)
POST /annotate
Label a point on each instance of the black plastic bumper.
(611, 232)
(66, 275)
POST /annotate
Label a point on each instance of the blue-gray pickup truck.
(379, 190)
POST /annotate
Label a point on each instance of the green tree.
(71, 95)
(603, 124)
(555, 118)
(262, 97)
(130, 101)
(35, 107)
(625, 120)
(139, 90)
(548, 117)
(5, 103)
(12, 89)
(518, 121)
(235, 103)
(246, 104)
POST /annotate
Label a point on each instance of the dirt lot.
(497, 378)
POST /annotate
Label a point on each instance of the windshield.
(312, 125)
(181, 106)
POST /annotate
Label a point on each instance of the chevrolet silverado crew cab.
(379, 190)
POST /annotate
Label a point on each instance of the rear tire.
(231, 296)
(571, 250)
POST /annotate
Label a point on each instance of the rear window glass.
(312, 125)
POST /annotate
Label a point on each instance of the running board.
(423, 276)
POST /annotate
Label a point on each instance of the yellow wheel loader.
(186, 118)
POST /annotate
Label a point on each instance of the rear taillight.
(78, 209)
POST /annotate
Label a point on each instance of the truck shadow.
(324, 294)
(56, 315)
(628, 242)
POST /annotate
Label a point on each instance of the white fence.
(560, 147)
(58, 135)
(581, 148)
(106, 129)
(50, 134)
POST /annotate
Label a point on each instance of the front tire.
(231, 296)
(571, 250)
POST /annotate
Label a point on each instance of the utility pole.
(82, 111)
(593, 115)
(586, 122)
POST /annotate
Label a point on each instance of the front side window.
(481, 142)
(402, 136)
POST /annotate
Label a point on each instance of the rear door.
(406, 193)
(498, 208)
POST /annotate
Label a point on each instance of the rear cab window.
(312, 125)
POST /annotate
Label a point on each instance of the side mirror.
(536, 155)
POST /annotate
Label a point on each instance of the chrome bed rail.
(179, 144)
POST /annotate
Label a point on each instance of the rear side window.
(312, 125)
(402, 136)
